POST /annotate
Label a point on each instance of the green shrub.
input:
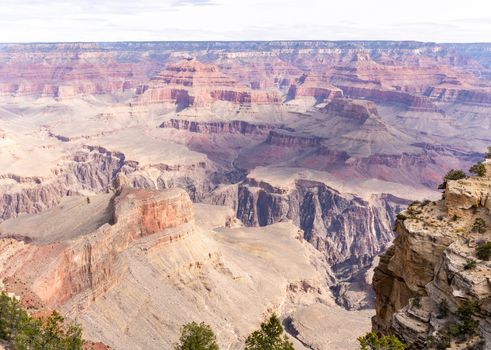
(452, 175)
(416, 302)
(453, 330)
(483, 251)
(444, 342)
(372, 341)
(488, 154)
(269, 337)
(196, 336)
(425, 202)
(478, 169)
(23, 332)
(479, 226)
(442, 309)
(470, 264)
(468, 325)
(401, 217)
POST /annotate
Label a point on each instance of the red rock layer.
(286, 138)
(358, 110)
(410, 101)
(313, 85)
(190, 82)
(218, 127)
(459, 94)
(89, 264)
(60, 73)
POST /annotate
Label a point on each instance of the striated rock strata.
(134, 266)
(431, 272)
(90, 263)
(347, 229)
(193, 83)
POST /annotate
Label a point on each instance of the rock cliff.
(90, 262)
(134, 266)
(432, 287)
(192, 83)
(347, 229)
(316, 86)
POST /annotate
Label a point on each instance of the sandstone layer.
(431, 272)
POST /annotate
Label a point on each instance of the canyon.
(231, 178)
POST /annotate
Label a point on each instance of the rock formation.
(347, 229)
(316, 86)
(335, 137)
(430, 286)
(134, 266)
(193, 83)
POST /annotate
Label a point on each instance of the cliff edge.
(433, 285)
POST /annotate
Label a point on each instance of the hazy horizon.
(30, 21)
(239, 41)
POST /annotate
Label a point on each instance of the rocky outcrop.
(316, 86)
(456, 93)
(411, 101)
(218, 127)
(352, 109)
(286, 138)
(430, 286)
(90, 264)
(348, 229)
(193, 83)
(93, 170)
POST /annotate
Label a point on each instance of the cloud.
(193, 2)
(118, 20)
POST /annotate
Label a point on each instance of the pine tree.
(197, 337)
(269, 337)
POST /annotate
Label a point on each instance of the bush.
(468, 325)
(197, 337)
(442, 309)
(470, 264)
(416, 302)
(372, 341)
(478, 169)
(22, 331)
(425, 202)
(483, 251)
(401, 217)
(479, 226)
(452, 175)
(444, 342)
(488, 154)
(453, 330)
(269, 337)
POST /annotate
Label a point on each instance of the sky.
(170, 20)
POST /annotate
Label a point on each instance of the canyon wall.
(363, 126)
(431, 288)
(90, 264)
